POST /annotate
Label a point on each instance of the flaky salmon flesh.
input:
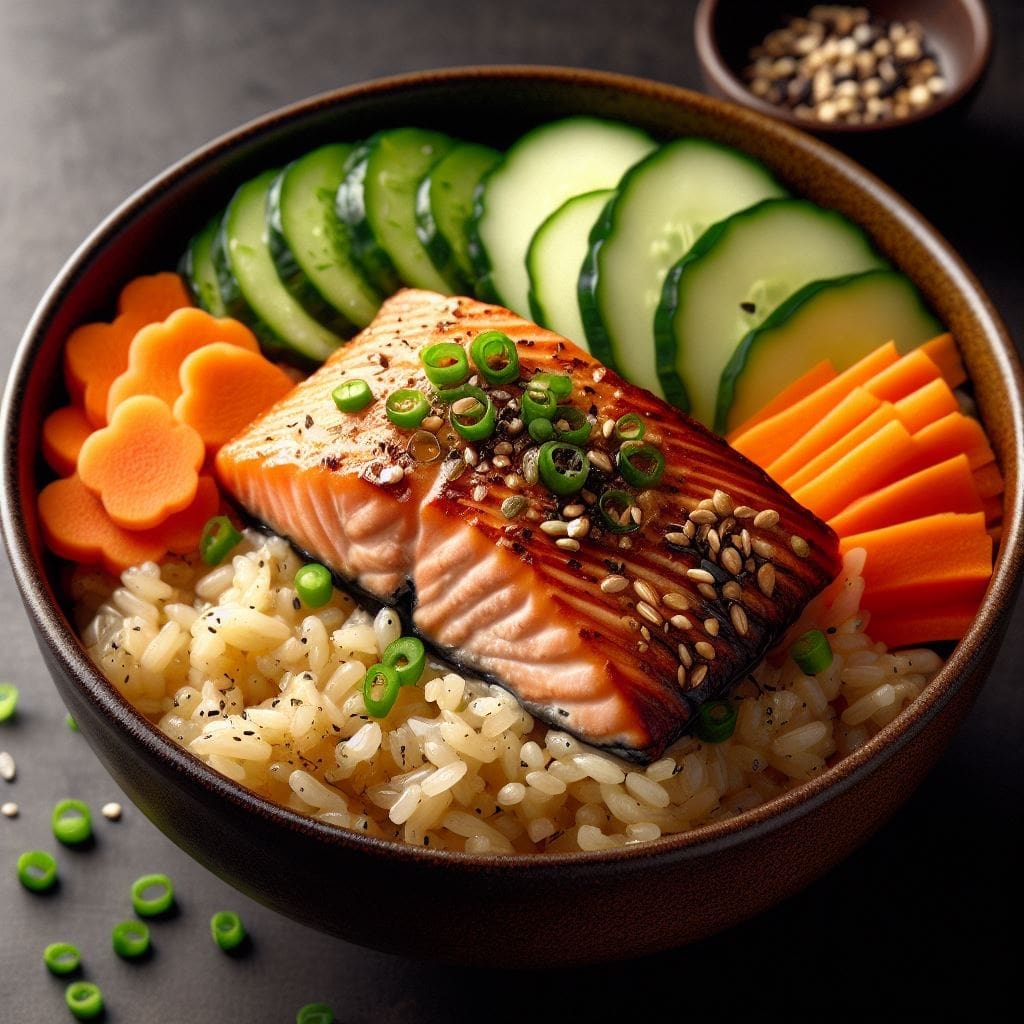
(616, 630)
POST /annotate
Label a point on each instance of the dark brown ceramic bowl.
(959, 32)
(493, 909)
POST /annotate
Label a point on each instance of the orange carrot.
(942, 351)
(904, 377)
(926, 405)
(851, 411)
(766, 441)
(64, 433)
(910, 629)
(816, 377)
(180, 532)
(144, 465)
(951, 435)
(946, 487)
(158, 350)
(95, 354)
(76, 526)
(224, 388)
(988, 480)
(877, 461)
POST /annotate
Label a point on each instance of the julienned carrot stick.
(64, 433)
(851, 411)
(942, 351)
(766, 441)
(946, 487)
(95, 354)
(926, 405)
(158, 350)
(225, 388)
(909, 629)
(816, 377)
(144, 466)
(904, 377)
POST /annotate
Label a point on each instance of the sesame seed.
(649, 613)
(690, 530)
(677, 538)
(684, 655)
(745, 541)
(645, 591)
(711, 627)
(392, 474)
(479, 492)
(704, 516)
(501, 462)
(731, 561)
(9, 809)
(698, 675)
(111, 811)
(614, 584)
(470, 456)
(599, 460)
(642, 648)
(739, 619)
(503, 448)
(744, 512)
(572, 511)
(625, 544)
(645, 632)
(515, 427)
(607, 428)
(681, 622)
(732, 591)
(579, 527)
(723, 503)
(767, 519)
(763, 548)
(706, 503)
(513, 506)
(555, 528)
(462, 406)
(800, 546)
(432, 424)
(568, 544)
(707, 591)
(636, 514)
(700, 575)
(514, 481)
(714, 541)
(588, 496)
(681, 676)
(766, 579)
(704, 649)
(7, 767)
(675, 601)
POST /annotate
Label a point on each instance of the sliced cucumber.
(842, 320)
(444, 203)
(377, 200)
(248, 281)
(554, 259)
(541, 171)
(735, 274)
(198, 270)
(662, 206)
(310, 246)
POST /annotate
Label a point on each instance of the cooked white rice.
(228, 664)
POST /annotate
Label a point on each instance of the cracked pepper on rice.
(229, 664)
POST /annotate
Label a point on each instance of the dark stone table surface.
(98, 95)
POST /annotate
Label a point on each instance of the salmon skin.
(613, 630)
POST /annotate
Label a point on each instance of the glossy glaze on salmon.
(617, 637)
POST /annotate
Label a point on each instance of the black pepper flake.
(748, 307)
(574, 564)
(308, 421)
(296, 603)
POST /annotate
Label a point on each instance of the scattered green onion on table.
(62, 958)
(130, 939)
(37, 870)
(71, 822)
(147, 903)
(8, 700)
(227, 929)
(84, 1000)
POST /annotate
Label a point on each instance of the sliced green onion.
(407, 407)
(541, 430)
(559, 384)
(716, 721)
(130, 939)
(71, 723)
(314, 585)
(352, 395)
(563, 467)
(385, 676)
(147, 904)
(614, 507)
(539, 404)
(406, 656)
(641, 465)
(62, 958)
(812, 652)
(218, 538)
(71, 822)
(630, 427)
(577, 426)
(84, 1000)
(8, 700)
(495, 356)
(227, 929)
(478, 423)
(37, 870)
(315, 1013)
(445, 364)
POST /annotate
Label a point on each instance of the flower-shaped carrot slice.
(76, 526)
(144, 466)
(180, 532)
(158, 350)
(64, 433)
(224, 388)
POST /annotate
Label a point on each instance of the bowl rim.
(984, 632)
(717, 69)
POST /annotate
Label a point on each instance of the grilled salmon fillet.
(614, 629)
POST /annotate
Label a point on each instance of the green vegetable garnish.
(130, 939)
(314, 585)
(541, 430)
(559, 384)
(353, 395)
(577, 427)
(71, 822)
(218, 538)
(385, 678)
(315, 1013)
(495, 356)
(62, 958)
(614, 507)
(641, 465)
(812, 652)
(8, 700)
(151, 904)
(407, 407)
(445, 364)
(630, 427)
(716, 721)
(37, 870)
(84, 1000)
(227, 929)
(563, 468)
(476, 420)
(406, 656)
(538, 404)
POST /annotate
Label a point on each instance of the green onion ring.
(130, 939)
(578, 429)
(379, 707)
(812, 652)
(152, 906)
(84, 1000)
(62, 958)
(606, 506)
(445, 364)
(406, 656)
(556, 479)
(352, 395)
(71, 822)
(218, 538)
(37, 870)
(541, 430)
(494, 346)
(8, 700)
(475, 426)
(630, 427)
(407, 407)
(629, 457)
(538, 404)
(314, 585)
(716, 721)
(559, 384)
(227, 930)
(315, 1013)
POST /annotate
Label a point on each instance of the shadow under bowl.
(559, 909)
